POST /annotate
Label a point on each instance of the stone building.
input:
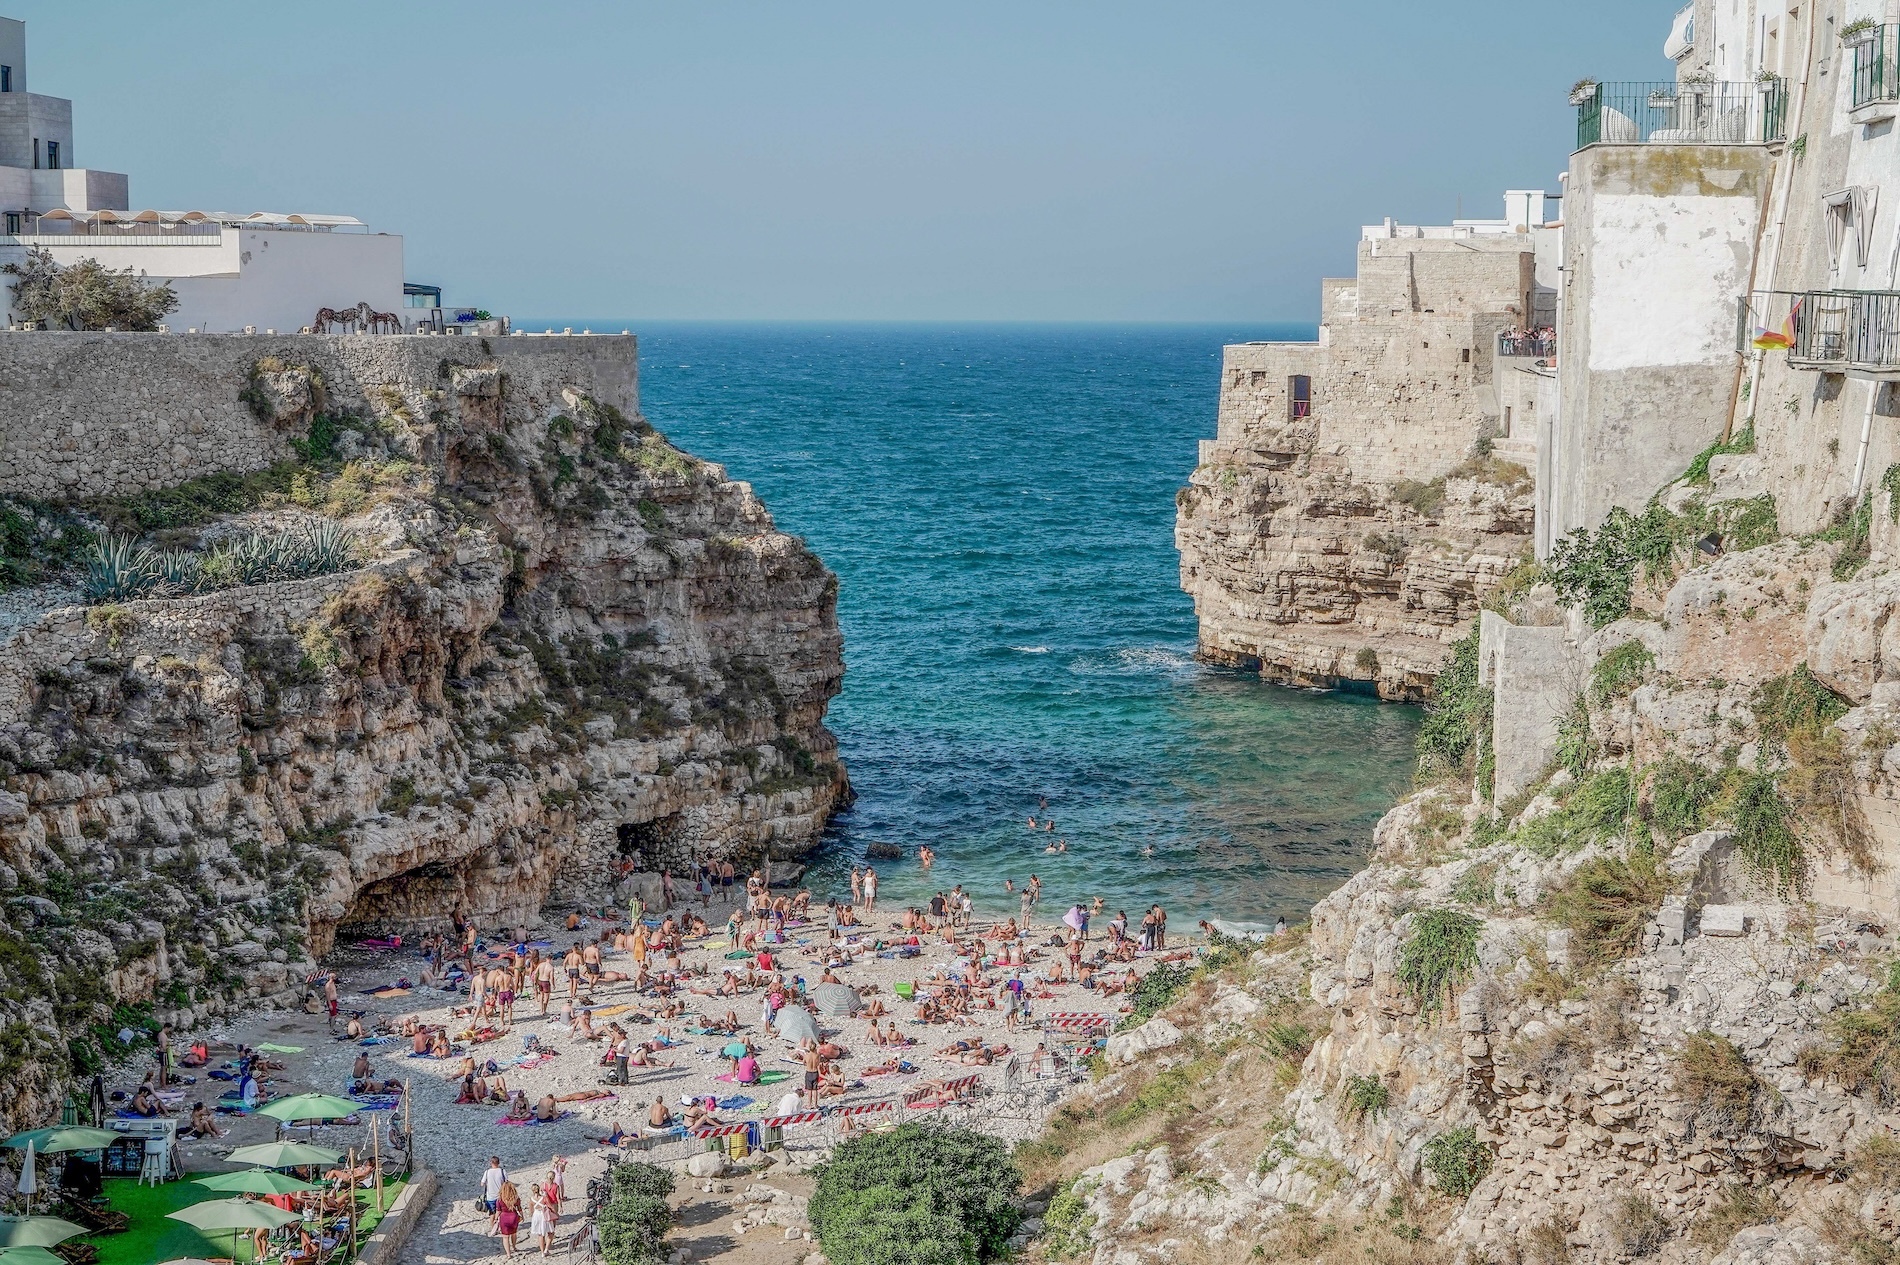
(1347, 515)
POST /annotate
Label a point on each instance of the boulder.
(1156, 1034)
(1724, 920)
(707, 1164)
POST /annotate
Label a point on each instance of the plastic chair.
(904, 990)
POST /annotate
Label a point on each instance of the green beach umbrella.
(734, 1050)
(284, 1155)
(235, 1215)
(310, 1107)
(256, 1181)
(36, 1231)
(59, 1138)
(31, 1256)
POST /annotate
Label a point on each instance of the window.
(52, 155)
(36, 153)
(6, 79)
(1464, 355)
(13, 223)
(1299, 396)
(1850, 217)
(1507, 421)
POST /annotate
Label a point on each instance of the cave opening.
(649, 841)
(425, 898)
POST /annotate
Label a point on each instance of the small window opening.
(1299, 396)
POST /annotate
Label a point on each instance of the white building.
(267, 270)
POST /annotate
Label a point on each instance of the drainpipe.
(1779, 198)
(1866, 435)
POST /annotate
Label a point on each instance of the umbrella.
(235, 1215)
(257, 1181)
(795, 1023)
(72, 1137)
(284, 1155)
(31, 1256)
(837, 999)
(29, 1184)
(734, 1050)
(36, 1231)
(310, 1107)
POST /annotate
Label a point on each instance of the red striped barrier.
(797, 1117)
(717, 1130)
(860, 1109)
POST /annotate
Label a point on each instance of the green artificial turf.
(154, 1237)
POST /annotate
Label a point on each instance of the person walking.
(508, 1217)
(870, 890)
(491, 1182)
(541, 1226)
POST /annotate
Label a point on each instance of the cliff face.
(1304, 574)
(566, 650)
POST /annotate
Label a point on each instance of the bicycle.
(585, 1245)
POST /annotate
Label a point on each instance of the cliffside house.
(230, 270)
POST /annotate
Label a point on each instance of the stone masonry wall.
(105, 414)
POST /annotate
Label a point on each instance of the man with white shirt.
(492, 1181)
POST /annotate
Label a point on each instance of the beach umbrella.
(734, 1050)
(36, 1231)
(310, 1107)
(257, 1181)
(837, 999)
(235, 1215)
(31, 1256)
(795, 1023)
(75, 1137)
(29, 1183)
(284, 1155)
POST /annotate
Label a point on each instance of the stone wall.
(1659, 242)
(102, 414)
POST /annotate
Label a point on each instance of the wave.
(1163, 661)
(1030, 649)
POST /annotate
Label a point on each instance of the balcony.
(1540, 343)
(1876, 85)
(1833, 331)
(1666, 113)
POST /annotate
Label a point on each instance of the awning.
(1681, 41)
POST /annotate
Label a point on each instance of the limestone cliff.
(565, 650)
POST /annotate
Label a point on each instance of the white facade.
(228, 271)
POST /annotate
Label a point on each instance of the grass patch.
(1442, 950)
(1363, 1097)
(1606, 902)
(1716, 1080)
(1681, 794)
(1862, 1047)
(1620, 671)
(1638, 1225)
(1698, 472)
(1739, 1208)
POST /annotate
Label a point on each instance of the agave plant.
(329, 548)
(174, 572)
(117, 569)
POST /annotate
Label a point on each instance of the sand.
(457, 1141)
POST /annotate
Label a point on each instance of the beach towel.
(736, 954)
(607, 1012)
(771, 1076)
(385, 993)
(380, 1040)
(530, 1123)
(735, 1102)
(380, 943)
(378, 1102)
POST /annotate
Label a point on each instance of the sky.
(831, 160)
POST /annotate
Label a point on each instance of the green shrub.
(1598, 569)
(1765, 835)
(1457, 1160)
(1156, 990)
(1460, 711)
(634, 1223)
(1477, 885)
(118, 569)
(1698, 471)
(1425, 499)
(1443, 949)
(918, 1195)
(1620, 671)
(1365, 1096)
(1068, 1226)
(1607, 901)
(1792, 704)
(1289, 1041)
(1681, 795)
(1716, 1080)
(1862, 1049)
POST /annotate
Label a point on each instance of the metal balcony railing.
(1831, 330)
(1665, 113)
(1876, 65)
(1527, 345)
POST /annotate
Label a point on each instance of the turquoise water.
(998, 502)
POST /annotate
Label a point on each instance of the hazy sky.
(820, 159)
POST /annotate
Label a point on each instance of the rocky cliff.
(1646, 1009)
(561, 651)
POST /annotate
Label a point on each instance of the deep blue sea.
(998, 503)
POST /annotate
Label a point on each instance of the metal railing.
(1876, 67)
(90, 240)
(1831, 330)
(1666, 113)
(1527, 344)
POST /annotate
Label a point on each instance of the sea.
(998, 504)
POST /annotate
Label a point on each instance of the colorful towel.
(734, 1103)
(771, 1076)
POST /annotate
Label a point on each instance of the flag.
(1772, 339)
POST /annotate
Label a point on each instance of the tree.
(946, 1196)
(87, 295)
